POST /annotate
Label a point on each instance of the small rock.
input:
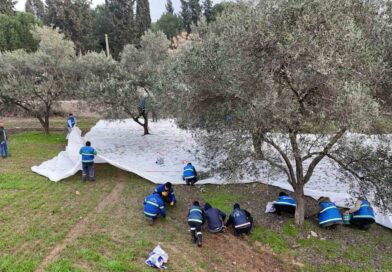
(313, 233)
(308, 237)
(296, 246)
(77, 192)
(234, 263)
(323, 239)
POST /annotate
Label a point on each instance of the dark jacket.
(215, 217)
(3, 135)
(196, 215)
(240, 219)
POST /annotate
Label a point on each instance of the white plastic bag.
(157, 258)
(270, 208)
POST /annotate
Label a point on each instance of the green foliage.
(121, 17)
(276, 66)
(170, 24)
(15, 32)
(208, 10)
(143, 17)
(76, 21)
(7, 7)
(186, 15)
(169, 7)
(35, 81)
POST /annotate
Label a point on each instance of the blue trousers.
(88, 168)
(4, 149)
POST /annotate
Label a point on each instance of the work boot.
(199, 240)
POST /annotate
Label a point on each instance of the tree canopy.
(265, 75)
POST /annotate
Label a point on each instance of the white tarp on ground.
(121, 144)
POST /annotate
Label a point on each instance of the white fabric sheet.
(121, 144)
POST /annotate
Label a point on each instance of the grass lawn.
(37, 215)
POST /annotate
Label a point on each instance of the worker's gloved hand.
(172, 203)
(165, 193)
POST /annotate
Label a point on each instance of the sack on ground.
(270, 208)
(157, 258)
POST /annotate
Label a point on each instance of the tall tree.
(102, 25)
(35, 7)
(265, 91)
(169, 7)
(76, 21)
(186, 15)
(15, 32)
(170, 24)
(121, 13)
(35, 81)
(7, 7)
(195, 9)
(143, 17)
(207, 10)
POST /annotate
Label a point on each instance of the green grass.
(220, 199)
(269, 237)
(36, 215)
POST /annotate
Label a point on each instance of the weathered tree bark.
(299, 217)
(256, 139)
(145, 124)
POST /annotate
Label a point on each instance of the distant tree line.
(125, 22)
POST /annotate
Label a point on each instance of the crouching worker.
(241, 220)
(154, 206)
(329, 215)
(189, 174)
(285, 204)
(196, 219)
(215, 219)
(362, 214)
(166, 192)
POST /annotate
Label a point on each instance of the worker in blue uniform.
(154, 206)
(285, 204)
(196, 219)
(362, 214)
(215, 219)
(329, 215)
(88, 153)
(189, 174)
(71, 122)
(241, 220)
(166, 192)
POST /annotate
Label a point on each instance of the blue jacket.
(161, 188)
(196, 215)
(287, 201)
(215, 218)
(366, 211)
(329, 213)
(189, 172)
(71, 122)
(239, 218)
(153, 206)
(87, 153)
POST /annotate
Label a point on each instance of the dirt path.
(80, 227)
(238, 254)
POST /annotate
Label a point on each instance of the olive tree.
(117, 87)
(268, 73)
(35, 81)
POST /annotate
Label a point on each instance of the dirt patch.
(82, 225)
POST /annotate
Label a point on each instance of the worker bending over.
(241, 220)
(196, 219)
(215, 219)
(166, 192)
(285, 204)
(154, 206)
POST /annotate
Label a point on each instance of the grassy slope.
(36, 214)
